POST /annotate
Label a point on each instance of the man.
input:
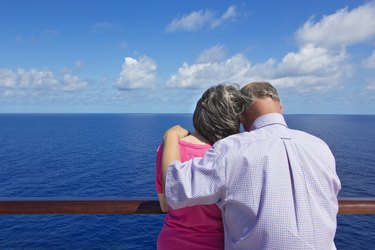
(277, 187)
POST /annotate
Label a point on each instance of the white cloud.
(70, 83)
(38, 80)
(230, 14)
(8, 78)
(370, 61)
(311, 60)
(312, 68)
(197, 20)
(212, 68)
(345, 27)
(192, 22)
(137, 74)
(236, 69)
(213, 54)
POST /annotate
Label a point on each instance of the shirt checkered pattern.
(277, 187)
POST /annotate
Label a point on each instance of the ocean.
(113, 155)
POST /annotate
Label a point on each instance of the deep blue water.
(112, 155)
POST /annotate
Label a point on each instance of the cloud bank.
(320, 62)
(35, 80)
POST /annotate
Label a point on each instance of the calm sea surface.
(113, 155)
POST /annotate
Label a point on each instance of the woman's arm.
(159, 179)
(171, 150)
(163, 202)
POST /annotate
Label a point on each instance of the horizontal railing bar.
(79, 206)
(355, 205)
(14, 206)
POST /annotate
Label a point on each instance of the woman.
(217, 115)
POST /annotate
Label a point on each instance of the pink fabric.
(197, 227)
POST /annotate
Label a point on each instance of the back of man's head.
(265, 100)
(260, 90)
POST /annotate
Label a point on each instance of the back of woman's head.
(218, 111)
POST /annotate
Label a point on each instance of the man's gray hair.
(218, 111)
(256, 90)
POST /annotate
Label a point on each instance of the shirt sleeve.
(199, 181)
(158, 170)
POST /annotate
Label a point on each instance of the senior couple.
(270, 187)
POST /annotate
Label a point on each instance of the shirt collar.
(268, 119)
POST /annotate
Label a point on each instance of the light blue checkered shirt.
(277, 187)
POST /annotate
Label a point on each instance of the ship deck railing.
(120, 205)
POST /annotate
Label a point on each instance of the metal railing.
(13, 206)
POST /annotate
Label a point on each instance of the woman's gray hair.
(218, 111)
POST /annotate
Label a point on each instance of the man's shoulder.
(302, 135)
(259, 135)
(230, 141)
(236, 141)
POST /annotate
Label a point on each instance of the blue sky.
(159, 56)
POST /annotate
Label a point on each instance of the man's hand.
(171, 151)
(175, 132)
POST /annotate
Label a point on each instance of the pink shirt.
(196, 227)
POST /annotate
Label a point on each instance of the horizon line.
(159, 113)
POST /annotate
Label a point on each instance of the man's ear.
(281, 108)
(242, 118)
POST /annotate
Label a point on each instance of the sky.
(109, 56)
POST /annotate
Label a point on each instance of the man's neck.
(268, 119)
(260, 107)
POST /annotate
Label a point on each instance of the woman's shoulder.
(193, 142)
(193, 139)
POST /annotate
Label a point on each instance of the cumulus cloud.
(236, 69)
(341, 28)
(38, 80)
(312, 68)
(370, 61)
(311, 60)
(197, 20)
(137, 74)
